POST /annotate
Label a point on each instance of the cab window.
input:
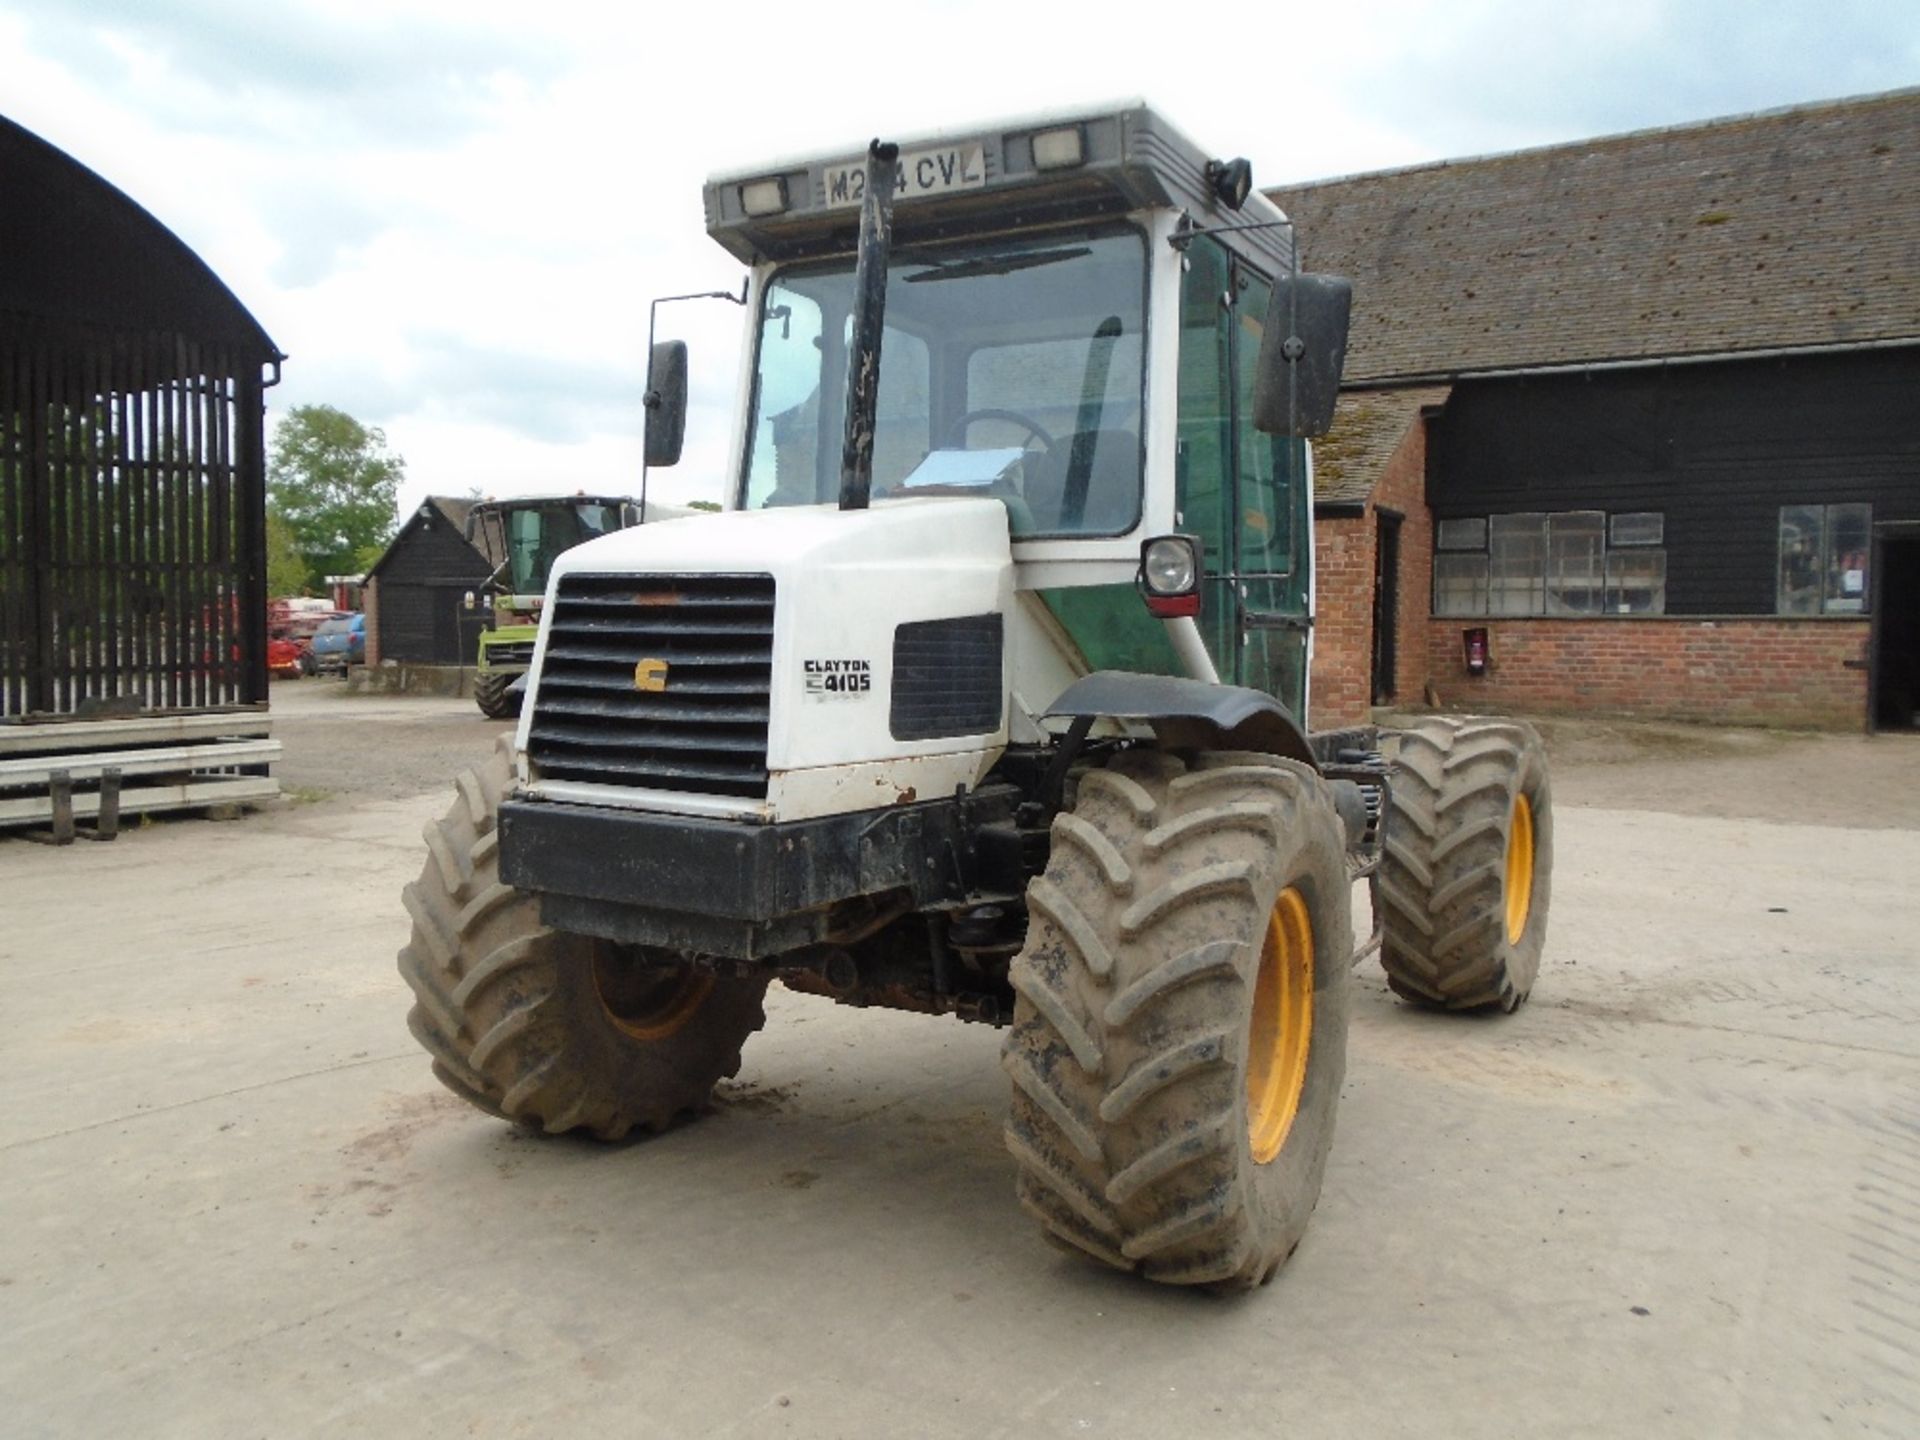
(1012, 368)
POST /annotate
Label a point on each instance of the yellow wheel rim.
(1282, 1026)
(1519, 869)
(648, 1003)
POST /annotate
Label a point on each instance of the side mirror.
(1302, 351)
(666, 402)
(630, 515)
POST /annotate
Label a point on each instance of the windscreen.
(537, 534)
(1009, 367)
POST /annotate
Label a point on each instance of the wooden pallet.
(55, 772)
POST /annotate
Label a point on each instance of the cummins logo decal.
(837, 679)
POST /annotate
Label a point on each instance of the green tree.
(335, 482)
(286, 566)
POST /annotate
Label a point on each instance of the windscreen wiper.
(995, 264)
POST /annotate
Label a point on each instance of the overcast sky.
(451, 214)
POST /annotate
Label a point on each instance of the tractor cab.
(524, 536)
(1073, 316)
(527, 535)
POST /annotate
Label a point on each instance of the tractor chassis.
(916, 907)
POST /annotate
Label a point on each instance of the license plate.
(922, 172)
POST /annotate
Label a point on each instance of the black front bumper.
(737, 889)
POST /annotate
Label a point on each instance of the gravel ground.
(1672, 1196)
(342, 746)
(1792, 777)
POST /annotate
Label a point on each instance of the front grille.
(706, 640)
(946, 678)
(518, 652)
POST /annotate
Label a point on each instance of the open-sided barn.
(132, 505)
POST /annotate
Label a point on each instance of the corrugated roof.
(1368, 426)
(1793, 228)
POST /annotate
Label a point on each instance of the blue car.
(339, 643)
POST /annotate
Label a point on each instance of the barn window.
(1517, 564)
(1568, 562)
(1823, 559)
(1460, 584)
(1645, 527)
(1637, 582)
(1576, 563)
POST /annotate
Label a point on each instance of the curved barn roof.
(76, 249)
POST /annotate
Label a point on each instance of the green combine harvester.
(529, 533)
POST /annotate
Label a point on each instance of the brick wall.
(370, 603)
(1343, 621)
(1344, 557)
(1730, 671)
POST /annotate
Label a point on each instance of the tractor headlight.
(1170, 575)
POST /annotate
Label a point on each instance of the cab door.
(1242, 492)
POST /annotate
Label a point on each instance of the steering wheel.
(957, 432)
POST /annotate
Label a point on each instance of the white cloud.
(453, 213)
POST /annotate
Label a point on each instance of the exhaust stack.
(869, 319)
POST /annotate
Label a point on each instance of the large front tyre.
(491, 694)
(1466, 873)
(1180, 1025)
(555, 1031)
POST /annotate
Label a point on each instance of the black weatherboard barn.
(417, 610)
(1664, 393)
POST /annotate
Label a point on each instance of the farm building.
(132, 507)
(1643, 411)
(415, 593)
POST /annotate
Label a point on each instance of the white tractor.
(985, 697)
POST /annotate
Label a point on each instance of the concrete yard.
(1676, 1195)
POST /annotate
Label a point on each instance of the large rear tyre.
(1180, 1025)
(555, 1031)
(491, 695)
(1466, 875)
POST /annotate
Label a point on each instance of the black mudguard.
(1188, 714)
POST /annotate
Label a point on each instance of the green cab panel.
(519, 637)
(1111, 626)
(1243, 493)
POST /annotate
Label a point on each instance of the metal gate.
(132, 526)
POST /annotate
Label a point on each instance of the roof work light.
(764, 197)
(1232, 181)
(1059, 149)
